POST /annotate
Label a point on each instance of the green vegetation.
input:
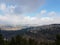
(1, 40)
(35, 36)
(58, 39)
(18, 40)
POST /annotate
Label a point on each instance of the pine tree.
(1, 40)
(24, 41)
(12, 42)
(18, 40)
(31, 41)
(58, 39)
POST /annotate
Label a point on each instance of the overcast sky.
(29, 12)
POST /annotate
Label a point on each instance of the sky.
(29, 12)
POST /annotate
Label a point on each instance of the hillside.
(11, 27)
(46, 32)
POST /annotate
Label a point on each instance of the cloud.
(47, 19)
(2, 7)
(52, 14)
(11, 8)
(43, 12)
(27, 20)
(14, 13)
(7, 8)
(24, 6)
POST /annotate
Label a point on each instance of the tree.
(1, 40)
(31, 41)
(12, 42)
(24, 41)
(18, 40)
(57, 39)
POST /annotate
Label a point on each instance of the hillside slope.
(46, 32)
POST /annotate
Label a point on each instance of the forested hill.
(46, 32)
